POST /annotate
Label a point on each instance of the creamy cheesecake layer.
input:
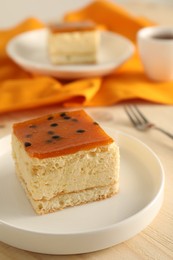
(75, 43)
(48, 177)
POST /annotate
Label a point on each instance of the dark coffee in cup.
(166, 36)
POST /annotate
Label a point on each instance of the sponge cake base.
(62, 201)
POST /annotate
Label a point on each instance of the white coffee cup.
(155, 46)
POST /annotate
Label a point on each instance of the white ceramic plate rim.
(126, 222)
(73, 70)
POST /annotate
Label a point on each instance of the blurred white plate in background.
(29, 50)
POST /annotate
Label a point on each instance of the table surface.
(156, 240)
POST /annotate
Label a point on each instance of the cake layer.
(71, 199)
(73, 58)
(48, 177)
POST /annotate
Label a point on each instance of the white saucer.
(29, 50)
(89, 227)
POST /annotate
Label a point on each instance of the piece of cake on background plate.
(73, 43)
(65, 159)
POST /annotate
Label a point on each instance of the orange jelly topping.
(60, 134)
(72, 27)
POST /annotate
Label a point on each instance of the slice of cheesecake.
(65, 159)
(73, 43)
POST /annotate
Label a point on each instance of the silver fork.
(140, 122)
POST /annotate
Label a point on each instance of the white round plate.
(89, 227)
(29, 50)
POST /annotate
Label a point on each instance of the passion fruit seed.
(54, 125)
(27, 144)
(63, 114)
(50, 118)
(55, 136)
(80, 131)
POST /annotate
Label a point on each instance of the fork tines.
(140, 122)
(135, 115)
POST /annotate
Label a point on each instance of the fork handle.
(163, 131)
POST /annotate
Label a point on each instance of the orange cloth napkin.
(21, 90)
